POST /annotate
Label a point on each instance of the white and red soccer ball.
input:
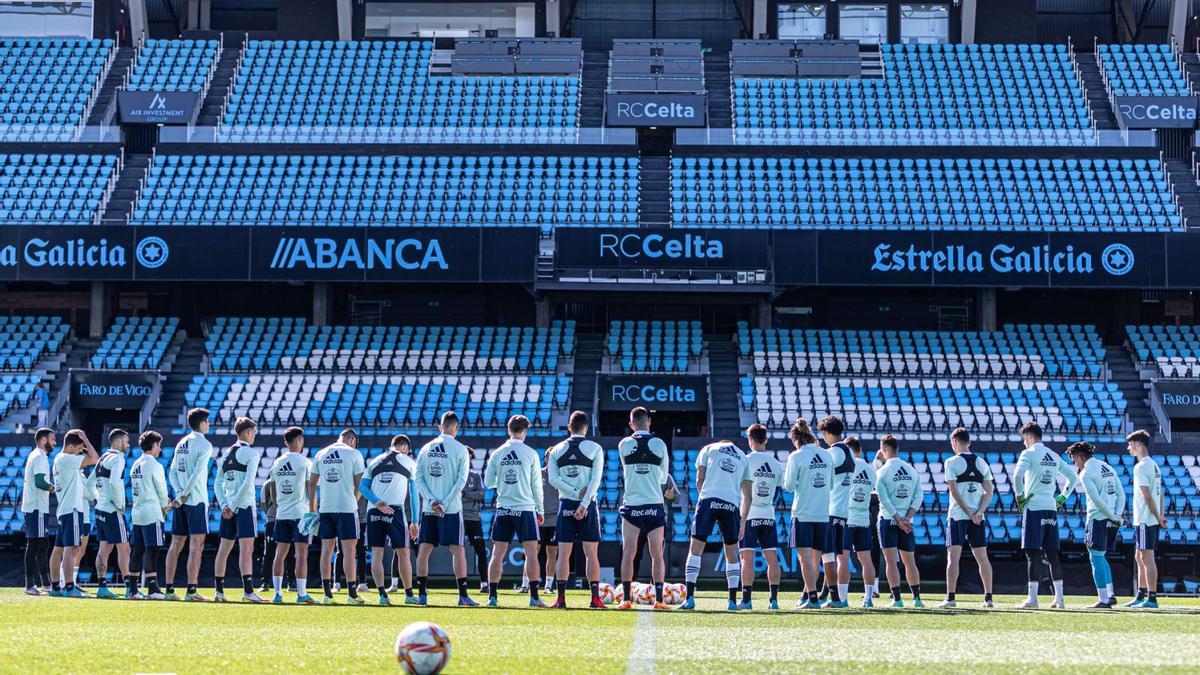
(423, 648)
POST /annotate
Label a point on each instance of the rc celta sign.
(655, 110)
(1158, 112)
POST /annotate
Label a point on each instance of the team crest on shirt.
(972, 488)
(332, 475)
(728, 465)
(510, 477)
(859, 494)
(571, 471)
(818, 480)
(436, 470)
(762, 489)
(1047, 478)
(385, 478)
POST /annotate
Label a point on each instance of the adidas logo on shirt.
(817, 463)
(1047, 460)
(764, 471)
(510, 459)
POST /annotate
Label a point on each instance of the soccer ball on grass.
(422, 648)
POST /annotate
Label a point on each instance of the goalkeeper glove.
(1021, 503)
(1060, 500)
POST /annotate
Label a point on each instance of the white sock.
(692, 570)
(1033, 591)
(549, 582)
(302, 586)
(733, 575)
(1110, 590)
(1058, 591)
(869, 590)
(278, 581)
(1103, 593)
(524, 582)
(843, 592)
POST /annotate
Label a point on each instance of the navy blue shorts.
(85, 530)
(288, 532)
(382, 528)
(891, 536)
(70, 530)
(1101, 535)
(37, 525)
(189, 519)
(645, 517)
(243, 524)
(1145, 537)
(508, 523)
(567, 530)
(964, 532)
(110, 527)
(837, 537)
(860, 539)
(444, 531)
(1039, 530)
(338, 526)
(712, 513)
(809, 535)
(760, 533)
(149, 536)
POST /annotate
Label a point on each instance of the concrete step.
(1097, 96)
(116, 76)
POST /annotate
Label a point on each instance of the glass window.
(802, 20)
(450, 19)
(42, 18)
(925, 24)
(865, 23)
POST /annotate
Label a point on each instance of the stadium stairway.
(589, 354)
(723, 387)
(1125, 375)
(717, 84)
(1191, 69)
(218, 91)
(184, 360)
(1183, 181)
(54, 369)
(595, 82)
(654, 191)
(108, 89)
(1097, 97)
(129, 183)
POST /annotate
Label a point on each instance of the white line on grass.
(643, 657)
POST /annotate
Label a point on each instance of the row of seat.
(808, 193)
(654, 345)
(47, 84)
(1142, 70)
(135, 342)
(54, 189)
(173, 65)
(25, 340)
(1174, 350)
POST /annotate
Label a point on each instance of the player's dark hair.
(292, 433)
(757, 433)
(832, 425)
(449, 418)
(243, 424)
(1081, 449)
(961, 435)
(1032, 429)
(148, 439)
(116, 434)
(801, 434)
(1139, 436)
(73, 437)
(578, 422)
(518, 424)
(41, 435)
(854, 443)
(890, 442)
(639, 415)
(348, 435)
(196, 417)
(399, 440)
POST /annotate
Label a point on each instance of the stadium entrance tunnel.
(667, 424)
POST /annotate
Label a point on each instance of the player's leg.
(300, 552)
(326, 567)
(1096, 540)
(474, 533)
(195, 556)
(691, 570)
(912, 575)
(629, 542)
(562, 570)
(658, 564)
(278, 566)
(953, 555)
(1151, 567)
(246, 567)
(829, 564)
(1050, 545)
(103, 552)
(985, 572)
(424, 550)
(870, 581)
(405, 573)
(733, 572)
(56, 557)
(1033, 568)
(377, 562)
(496, 568)
(173, 552)
(747, 555)
(591, 554)
(350, 566)
(223, 548)
(530, 547)
(891, 566)
(774, 575)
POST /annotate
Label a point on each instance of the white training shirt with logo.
(766, 477)
(1035, 477)
(1146, 473)
(862, 484)
(148, 482)
(338, 468)
(809, 477)
(725, 468)
(514, 471)
(442, 468)
(291, 472)
(643, 479)
(899, 489)
(971, 493)
(68, 483)
(238, 469)
(34, 498)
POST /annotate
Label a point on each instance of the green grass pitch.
(97, 636)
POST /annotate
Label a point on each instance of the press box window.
(802, 20)
(450, 19)
(927, 24)
(866, 23)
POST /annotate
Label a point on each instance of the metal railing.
(97, 86)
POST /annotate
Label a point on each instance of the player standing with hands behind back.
(515, 473)
(442, 468)
(1149, 518)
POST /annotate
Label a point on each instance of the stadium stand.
(135, 343)
(174, 65)
(654, 346)
(390, 190)
(248, 344)
(1051, 374)
(25, 340)
(1173, 350)
(924, 193)
(1142, 70)
(385, 84)
(55, 189)
(977, 86)
(387, 403)
(48, 85)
